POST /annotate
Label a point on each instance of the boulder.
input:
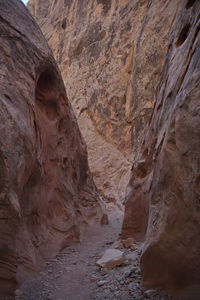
(111, 259)
(127, 243)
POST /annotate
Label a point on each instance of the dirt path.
(74, 275)
(70, 276)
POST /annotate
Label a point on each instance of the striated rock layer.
(111, 55)
(163, 201)
(46, 189)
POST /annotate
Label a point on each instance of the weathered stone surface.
(164, 187)
(46, 189)
(114, 52)
(111, 259)
(111, 55)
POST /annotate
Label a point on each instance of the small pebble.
(101, 282)
(18, 292)
(150, 293)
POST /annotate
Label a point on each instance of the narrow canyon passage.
(106, 119)
(74, 275)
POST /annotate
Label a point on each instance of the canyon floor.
(74, 274)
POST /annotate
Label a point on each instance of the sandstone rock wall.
(111, 55)
(163, 194)
(46, 190)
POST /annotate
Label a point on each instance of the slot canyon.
(99, 149)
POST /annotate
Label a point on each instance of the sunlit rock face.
(163, 204)
(46, 190)
(111, 55)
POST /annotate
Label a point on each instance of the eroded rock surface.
(46, 190)
(163, 193)
(111, 55)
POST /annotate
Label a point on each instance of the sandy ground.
(74, 275)
(69, 275)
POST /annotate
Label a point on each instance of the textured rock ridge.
(111, 55)
(163, 193)
(46, 190)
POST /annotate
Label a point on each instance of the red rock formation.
(163, 203)
(111, 55)
(46, 189)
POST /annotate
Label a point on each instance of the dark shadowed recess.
(47, 93)
(183, 35)
(190, 3)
